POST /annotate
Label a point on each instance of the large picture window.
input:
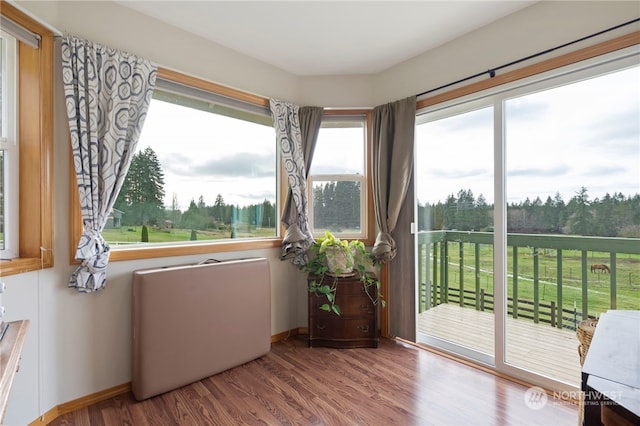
(204, 177)
(204, 170)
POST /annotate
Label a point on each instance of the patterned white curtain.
(298, 238)
(107, 94)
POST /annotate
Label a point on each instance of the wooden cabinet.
(356, 327)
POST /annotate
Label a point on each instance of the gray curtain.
(393, 140)
(107, 94)
(297, 132)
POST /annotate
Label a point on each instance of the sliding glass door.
(454, 187)
(572, 189)
(528, 223)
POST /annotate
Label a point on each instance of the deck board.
(540, 348)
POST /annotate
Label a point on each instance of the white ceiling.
(329, 37)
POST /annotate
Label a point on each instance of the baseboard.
(85, 401)
(284, 335)
(103, 395)
(46, 418)
(82, 402)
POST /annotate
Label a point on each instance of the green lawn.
(133, 235)
(627, 284)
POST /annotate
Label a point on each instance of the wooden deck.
(536, 347)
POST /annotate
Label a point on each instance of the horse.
(600, 268)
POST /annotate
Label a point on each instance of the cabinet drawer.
(349, 306)
(349, 286)
(342, 328)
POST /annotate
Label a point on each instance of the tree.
(193, 218)
(268, 214)
(218, 208)
(142, 193)
(448, 213)
(482, 219)
(465, 210)
(580, 221)
(174, 213)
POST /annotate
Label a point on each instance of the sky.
(584, 134)
(210, 154)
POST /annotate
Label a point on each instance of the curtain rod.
(492, 71)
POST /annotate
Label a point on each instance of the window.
(204, 177)
(26, 176)
(337, 181)
(8, 150)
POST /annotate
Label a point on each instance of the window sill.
(121, 254)
(22, 265)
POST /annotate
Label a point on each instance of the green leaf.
(325, 307)
(336, 309)
(331, 297)
(325, 289)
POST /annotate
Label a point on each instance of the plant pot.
(339, 261)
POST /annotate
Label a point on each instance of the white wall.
(543, 26)
(79, 344)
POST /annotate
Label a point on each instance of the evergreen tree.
(482, 218)
(268, 214)
(608, 219)
(193, 217)
(580, 221)
(218, 208)
(449, 213)
(464, 210)
(142, 193)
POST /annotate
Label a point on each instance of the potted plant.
(331, 258)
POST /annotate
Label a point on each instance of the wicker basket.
(585, 332)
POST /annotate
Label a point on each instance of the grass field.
(133, 235)
(627, 285)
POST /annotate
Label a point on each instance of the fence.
(442, 280)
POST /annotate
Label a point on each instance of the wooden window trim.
(35, 133)
(149, 252)
(551, 64)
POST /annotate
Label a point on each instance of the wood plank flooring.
(536, 347)
(394, 384)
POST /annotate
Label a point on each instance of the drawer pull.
(321, 326)
(364, 328)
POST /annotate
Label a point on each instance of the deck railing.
(452, 263)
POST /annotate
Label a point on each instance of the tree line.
(141, 199)
(614, 215)
(336, 206)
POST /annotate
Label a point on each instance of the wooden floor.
(536, 347)
(394, 384)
